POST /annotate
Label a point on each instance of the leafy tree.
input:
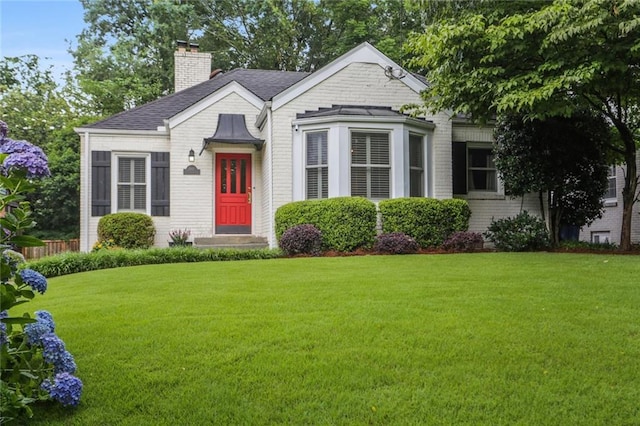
(544, 62)
(561, 156)
(41, 110)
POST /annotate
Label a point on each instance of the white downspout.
(272, 236)
(86, 192)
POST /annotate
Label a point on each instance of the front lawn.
(491, 338)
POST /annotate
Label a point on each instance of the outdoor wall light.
(192, 156)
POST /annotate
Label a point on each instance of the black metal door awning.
(232, 129)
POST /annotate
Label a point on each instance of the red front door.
(233, 193)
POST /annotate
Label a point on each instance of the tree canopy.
(544, 60)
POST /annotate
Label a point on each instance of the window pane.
(480, 157)
(482, 180)
(317, 171)
(139, 170)
(358, 148)
(124, 197)
(140, 197)
(232, 177)
(359, 181)
(415, 183)
(611, 189)
(379, 147)
(415, 151)
(223, 176)
(482, 174)
(243, 176)
(379, 183)
(124, 170)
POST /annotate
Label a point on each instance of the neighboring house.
(221, 155)
(607, 229)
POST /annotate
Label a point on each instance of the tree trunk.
(630, 185)
(628, 199)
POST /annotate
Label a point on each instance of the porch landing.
(231, 241)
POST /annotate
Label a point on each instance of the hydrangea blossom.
(23, 155)
(44, 325)
(34, 279)
(12, 259)
(52, 348)
(64, 388)
(65, 364)
(3, 328)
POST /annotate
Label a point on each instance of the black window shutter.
(459, 164)
(100, 183)
(160, 184)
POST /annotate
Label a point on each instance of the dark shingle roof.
(265, 84)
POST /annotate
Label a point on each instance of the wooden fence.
(51, 247)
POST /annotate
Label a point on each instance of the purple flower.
(44, 325)
(24, 156)
(52, 348)
(4, 129)
(34, 279)
(64, 388)
(65, 364)
(3, 327)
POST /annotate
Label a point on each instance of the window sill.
(481, 196)
(610, 203)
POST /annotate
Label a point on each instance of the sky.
(41, 27)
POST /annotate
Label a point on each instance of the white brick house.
(261, 139)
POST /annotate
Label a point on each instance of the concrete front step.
(231, 241)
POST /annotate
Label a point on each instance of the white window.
(132, 184)
(481, 169)
(602, 237)
(317, 172)
(416, 166)
(370, 165)
(611, 189)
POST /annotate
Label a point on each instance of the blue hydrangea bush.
(34, 362)
(301, 239)
(395, 243)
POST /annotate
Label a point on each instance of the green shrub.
(127, 230)
(346, 223)
(523, 232)
(72, 263)
(429, 221)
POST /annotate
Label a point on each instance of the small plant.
(301, 239)
(104, 245)
(395, 243)
(463, 242)
(523, 232)
(179, 237)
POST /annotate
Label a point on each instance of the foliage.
(563, 157)
(75, 262)
(395, 243)
(44, 112)
(346, 223)
(179, 237)
(301, 239)
(463, 241)
(127, 230)
(125, 53)
(543, 61)
(523, 232)
(105, 245)
(587, 246)
(482, 338)
(429, 221)
(32, 358)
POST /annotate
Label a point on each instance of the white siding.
(192, 200)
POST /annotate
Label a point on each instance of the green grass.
(488, 338)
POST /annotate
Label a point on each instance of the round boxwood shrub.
(395, 243)
(523, 232)
(464, 241)
(301, 239)
(127, 230)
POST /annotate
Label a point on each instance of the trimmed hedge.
(427, 220)
(346, 223)
(127, 230)
(74, 262)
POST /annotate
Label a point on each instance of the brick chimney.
(191, 67)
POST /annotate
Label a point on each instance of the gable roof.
(265, 84)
